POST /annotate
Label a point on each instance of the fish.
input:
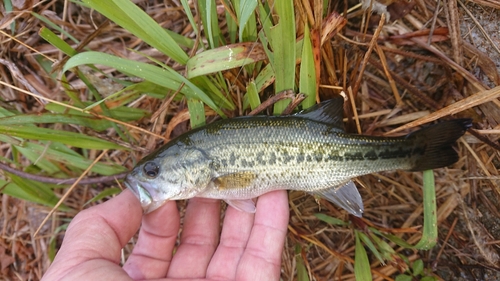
(241, 158)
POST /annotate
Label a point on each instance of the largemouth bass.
(241, 158)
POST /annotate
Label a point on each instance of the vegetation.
(90, 87)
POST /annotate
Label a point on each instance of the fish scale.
(298, 157)
(241, 158)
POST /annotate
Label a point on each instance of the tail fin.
(435, 143)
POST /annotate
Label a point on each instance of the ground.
(427, 58)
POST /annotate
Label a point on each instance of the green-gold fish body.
(241, 158)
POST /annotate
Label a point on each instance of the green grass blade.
(417, 267)
(165, 77)
(196, 113)
(265, 34)
(60, 153)
(123, 113)
(98, 97)
(10, 140)
(46, 66)
(265, 19)
(265, 78)
(245, 10)
(43, 165)
(56, 41)
(44, 118)
(366, 240)
(126, 14)
(209, 19)
(283, 44)
(55, 26)
(69, 138)
(4, 112)
(307, 80)
(361, 263)
(187, 10)
(203, 82)
(398, 241)
(252, 95)
(404, 277)
(330, 220)
(75, 99)
(385, 250)
(302, 274)
(430, 231)
(103, 194)
(224, 58)
(31, 191)
(232, 28)
(181, 40)
(7, 4)
(216, 94)
(54, 241)
(199, 94)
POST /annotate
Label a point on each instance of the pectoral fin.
(246, 205)
(345, 196)
(234, 180)
(239, 180)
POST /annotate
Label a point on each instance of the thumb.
(99, 232)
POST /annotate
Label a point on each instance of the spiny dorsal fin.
(329, 112)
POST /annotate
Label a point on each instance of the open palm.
(249, 247)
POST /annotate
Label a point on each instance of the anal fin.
(346, 196)
(246, 205)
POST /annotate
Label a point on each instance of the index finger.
(152, 254)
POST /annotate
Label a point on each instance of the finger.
(198, 240)
(233, 241)
(99, 232)
(262, 257)
(152, 254)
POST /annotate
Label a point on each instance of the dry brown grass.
(430, 64)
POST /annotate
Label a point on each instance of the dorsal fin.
(329, 112)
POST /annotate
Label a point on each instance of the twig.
(89, 180)
(288, 94)
(68, 192)
(394, 88)
(295, 102)
(450, 231)
(433, 24)
(461, 105)
(484, 139)
(354, 111)
(452, 17)
(368, 53)
(466, 74)
(409, 87)
(485, 34)
(82, 110)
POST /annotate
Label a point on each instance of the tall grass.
(260, 40)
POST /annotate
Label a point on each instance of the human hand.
(250, 245)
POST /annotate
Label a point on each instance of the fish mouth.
(141, 193)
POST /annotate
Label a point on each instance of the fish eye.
(151, 169)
